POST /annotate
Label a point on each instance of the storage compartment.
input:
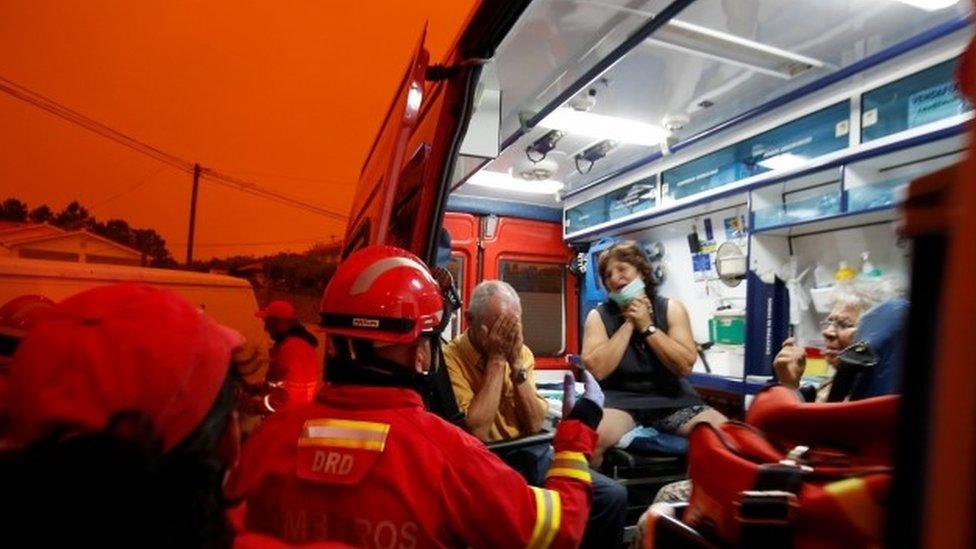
(823, 299)
(796, 211)
(876, 195)
(728, 327)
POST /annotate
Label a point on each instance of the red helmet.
(382, 293)
(21, 312)
(16, 317)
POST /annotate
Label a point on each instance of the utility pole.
(193, 213)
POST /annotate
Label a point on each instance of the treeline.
(74, 216)
(302, 273)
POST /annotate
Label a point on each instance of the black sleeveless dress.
(642, 381)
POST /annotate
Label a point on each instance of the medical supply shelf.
(837, 178)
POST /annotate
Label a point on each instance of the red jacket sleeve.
(490, 505)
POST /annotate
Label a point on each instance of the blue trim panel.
(504, 208)
(656, 22)
(722, 383)
(767, 323)
(905, 46)
(861, 155)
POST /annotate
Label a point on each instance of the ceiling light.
(785, 161)
(930, 5)
(585, 159)
(505, 182)
(537, 151)
(599, 126)
(721, 46)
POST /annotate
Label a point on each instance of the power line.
(251, 188)
(128, 190)
(281, 176)
(25, 94)
(44, 103)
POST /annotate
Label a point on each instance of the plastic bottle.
(868, 270)
(844, 272)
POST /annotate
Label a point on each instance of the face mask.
(628, 293)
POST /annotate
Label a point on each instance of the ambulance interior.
(759, 150)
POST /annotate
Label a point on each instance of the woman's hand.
(638, 313)
(790, 363)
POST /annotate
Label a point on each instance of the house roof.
(14, 241)
(22, 232)
(10, 225)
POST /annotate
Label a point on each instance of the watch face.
(521, 375)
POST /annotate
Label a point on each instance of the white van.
(227, 299)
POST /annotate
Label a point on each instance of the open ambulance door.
(404, 180)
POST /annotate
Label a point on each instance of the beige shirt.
(466, 367)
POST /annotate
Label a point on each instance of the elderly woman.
(639, 346)
(838, 331)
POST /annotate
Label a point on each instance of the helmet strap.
(365, 368)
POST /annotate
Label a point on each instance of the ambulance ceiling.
(715, 60)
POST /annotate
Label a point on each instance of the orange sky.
(285, 94)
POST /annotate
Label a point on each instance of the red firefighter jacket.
(294, 370)
(371, 467)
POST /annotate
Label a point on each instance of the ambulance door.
(390, 175)
(532, 257)
(404, 180)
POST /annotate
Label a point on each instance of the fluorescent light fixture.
(930, 5)
(599, 126)
(505, 182)
(728, 48)
(785, 161)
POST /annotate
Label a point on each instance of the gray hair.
(861, 295)
(482, 294)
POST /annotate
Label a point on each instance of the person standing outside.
(293, 375)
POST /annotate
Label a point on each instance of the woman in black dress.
(639, 345)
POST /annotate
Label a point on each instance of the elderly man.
(488, 361)
(492, 375)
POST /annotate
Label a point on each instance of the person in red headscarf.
(16, 317)
(121, 401)
(294, 373)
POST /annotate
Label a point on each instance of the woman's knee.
(613, 426)
(708, 415)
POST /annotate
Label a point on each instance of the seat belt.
(767, 513)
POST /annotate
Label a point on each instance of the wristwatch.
(648, 331)
(520, 376)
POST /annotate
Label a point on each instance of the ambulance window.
(456, 267)
(541, 288)
(406, 203)
(358, 240)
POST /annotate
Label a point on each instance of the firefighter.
(293, 375)
(120, 406)
(367, 464)
(16, 317)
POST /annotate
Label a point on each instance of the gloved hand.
(589, 409)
